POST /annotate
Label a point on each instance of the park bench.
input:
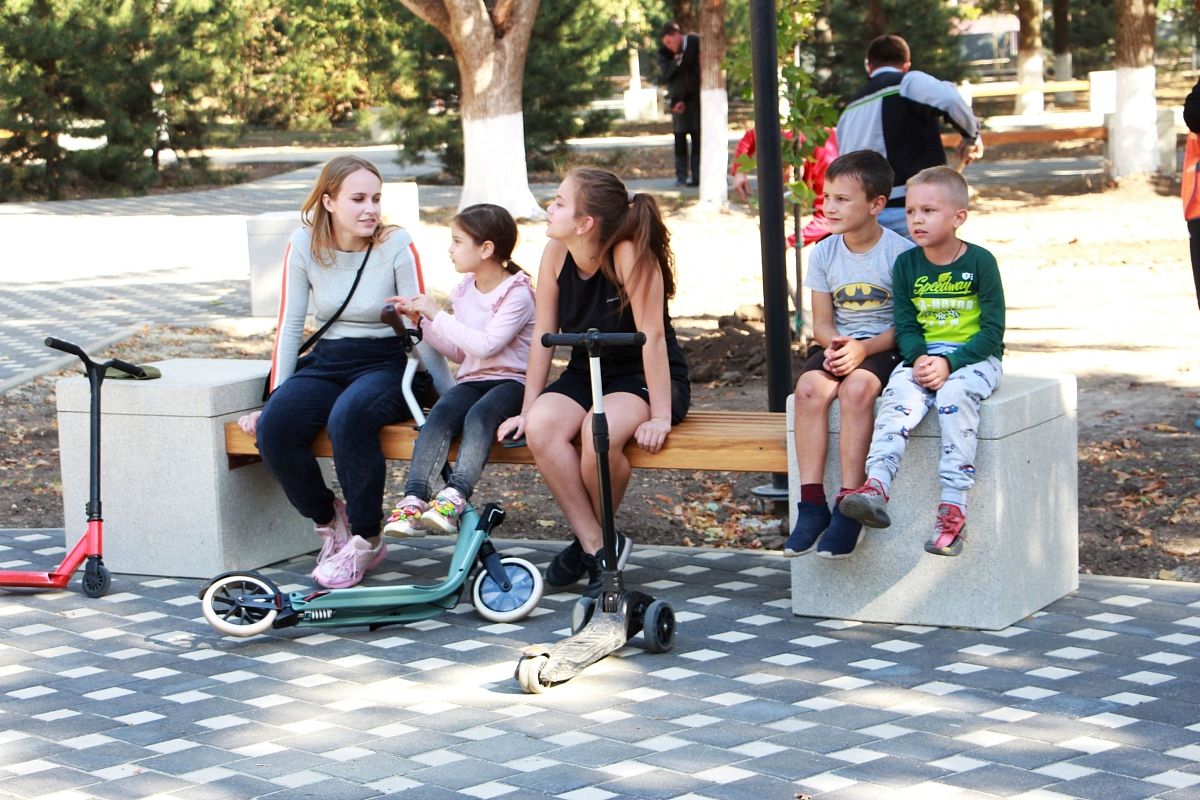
(185, 496)
(727, 441)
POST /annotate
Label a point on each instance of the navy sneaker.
(594, 565)
(811, 519)
(566, 567)
(841, 537)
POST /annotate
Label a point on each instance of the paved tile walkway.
(103, 310)
(133, 696)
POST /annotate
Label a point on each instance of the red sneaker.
(949, 531)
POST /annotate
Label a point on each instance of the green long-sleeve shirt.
(954, 310)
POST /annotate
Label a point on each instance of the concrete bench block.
(1022, 550)
(267, 237)
(171, 505)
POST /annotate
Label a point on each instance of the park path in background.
(106, 304)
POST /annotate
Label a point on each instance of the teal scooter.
(502, 589)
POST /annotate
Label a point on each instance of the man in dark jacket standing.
(679, 63)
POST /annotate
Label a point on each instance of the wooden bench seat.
(728, 441)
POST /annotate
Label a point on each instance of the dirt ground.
(1097, 284)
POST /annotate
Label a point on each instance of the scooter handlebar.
(67, 347)
(594, 337)
(127, 368)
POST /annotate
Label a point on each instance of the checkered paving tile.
(101, 310)
(133, 695)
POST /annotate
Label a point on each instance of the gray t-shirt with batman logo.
(860, 283)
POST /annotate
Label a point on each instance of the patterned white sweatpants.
(905, 403)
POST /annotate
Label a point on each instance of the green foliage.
(564, 70)
(126, 71)
(805, 111)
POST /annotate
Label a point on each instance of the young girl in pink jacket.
(488, 334)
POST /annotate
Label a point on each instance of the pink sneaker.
(346, 567)
(405, 519)
(335, 536)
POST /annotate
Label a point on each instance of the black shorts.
(880, 365)
(578, 386)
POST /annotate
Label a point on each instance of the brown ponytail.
(621, 216)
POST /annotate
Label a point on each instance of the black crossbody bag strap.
(310, 341)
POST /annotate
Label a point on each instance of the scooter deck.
(603, 635)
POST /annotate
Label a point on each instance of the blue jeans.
(896, 220)
(475, 409)
(353, 387)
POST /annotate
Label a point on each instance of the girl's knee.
(544, 428)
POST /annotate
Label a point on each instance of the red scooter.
(96, 578)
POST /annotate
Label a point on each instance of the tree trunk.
(687, 14)
(1133, 130)
(1063, 68)
(489, 42)
(714, 105)
(1029, 58)
(877, 21)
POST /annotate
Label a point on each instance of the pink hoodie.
(488, 334)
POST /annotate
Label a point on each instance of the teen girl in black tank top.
(595, 302)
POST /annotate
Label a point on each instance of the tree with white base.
(1133, 132)
(490, 39)
(714, 106)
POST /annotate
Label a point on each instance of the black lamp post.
(765, 60)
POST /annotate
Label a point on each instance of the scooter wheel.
(222, 611)
(96, 580)
(581, 613)
(658, 627)
(496, 605)
(529, 673)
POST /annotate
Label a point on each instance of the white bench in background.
(1022, 547)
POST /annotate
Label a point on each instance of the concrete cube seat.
(170, 503)
(1022, 547)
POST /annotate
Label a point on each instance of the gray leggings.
(475, 409)
(905, 403)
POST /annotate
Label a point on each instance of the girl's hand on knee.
(511, 428)
(249, 422)
(651, 435)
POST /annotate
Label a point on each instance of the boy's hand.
(844, 355)
(931, 371)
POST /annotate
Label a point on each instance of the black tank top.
(595, 302)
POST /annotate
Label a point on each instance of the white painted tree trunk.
(1133, 134)
(1063, 71)
(714, 147)
(494, 165)
(1029, 73)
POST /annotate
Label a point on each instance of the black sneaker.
(594, 565)
(566, 567)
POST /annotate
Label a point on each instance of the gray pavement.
(133, 695)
